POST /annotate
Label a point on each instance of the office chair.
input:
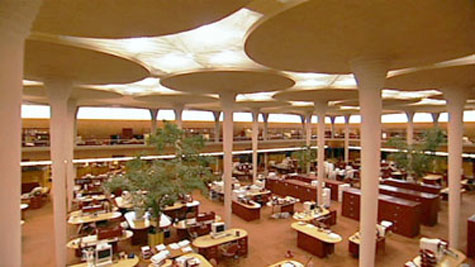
(230, 250)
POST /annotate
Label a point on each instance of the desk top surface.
(404, 191)
(76, 218)
(207, 241)
(253, 205)
(182, 224)
(119, 201)
(397, 181)
(355, 238)
(92, 240)
(303, 216)
(387, 198)
(447, 261)
(138, 225)
(120, 263)
(432, 177)
(312, 230)
(203, 261)
(287, 263)
(24, 206)
(178, 205)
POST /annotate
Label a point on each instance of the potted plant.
(162, 181)
(304, 158)
(419, 158)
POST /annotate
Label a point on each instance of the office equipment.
(218, 229)
(159, 258)
(308, 206)
(103, 254)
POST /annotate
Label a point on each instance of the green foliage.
(305, 157)
(115, 183)
(163, 181)
(418, 159)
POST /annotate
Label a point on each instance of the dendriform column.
(227, 102)
(217, 129)
(255, 135)
(308, 129)
(347, 138)
(265, 118)
(153, 115)
(456, 98)
(70, 131)
(178, 109)
(332, 119)
(58, 92)
(410, 127)
(320, 109)
(15, 22)
(370, 76)
(435, 118)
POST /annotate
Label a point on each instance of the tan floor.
(269, 239)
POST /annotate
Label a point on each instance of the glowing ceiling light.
(226, 57)
(301, 103)
(176, 62)
(30, 83)
(346, 81)
(138, 45)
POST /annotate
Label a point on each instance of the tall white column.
(435, 118)
(455, 103)
(153, 115)
(410, 127)
(255, 135)
(265, 118)
(178, 109)
(332, 119)
(69, 130)
(370, 76)
(320, 110)
(347, 138)
(227, 102)
(308, 129)
(58, 92)
(15, 21)
(217, 129)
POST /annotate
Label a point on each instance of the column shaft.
(370, 77)
(217, 127)
(69, 149)
(153, 115)
(320, 109)
(347, 139)
(227, 103)
(410, 127)
(255, 134)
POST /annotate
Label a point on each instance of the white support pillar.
(370, 76)
(255, 135)
(178, 109)
(320, 109)
(217, 129)
(410, 127)
(70, 140)
(265, 118)
(308, 129)
(58, 93)
(227, 102)
(15, 21)
(332, 119)
(153, 115)
(455, 103)
(347, 138)
(435, 118)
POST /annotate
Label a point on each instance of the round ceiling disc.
(227, 81)
(176, 99)
(259, 104)
(318, 95)
(54, 60)
(462, 76)
(326, 36)
(125, 18)
(83, 95)
(387, 102)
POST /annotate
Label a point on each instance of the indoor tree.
(418, 158)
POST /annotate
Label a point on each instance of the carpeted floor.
(269, 239)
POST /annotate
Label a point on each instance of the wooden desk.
(421, 187)
(182, 228)
(208, 246)
(246, 212)
(471, 237)
(430, 203)
(291, 187)
(203, 261)
(354, 244)
(121, 204)
(119, 263)
(405, 214)
(77, 218)
(447, 261)
(282, 263)
(314, 240)
(179, 209)
(140, 228)
(332, 184)
(286, 205)
(306, 217)
(91, 241)
(432, 179)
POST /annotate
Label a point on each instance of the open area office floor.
(269, 239)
